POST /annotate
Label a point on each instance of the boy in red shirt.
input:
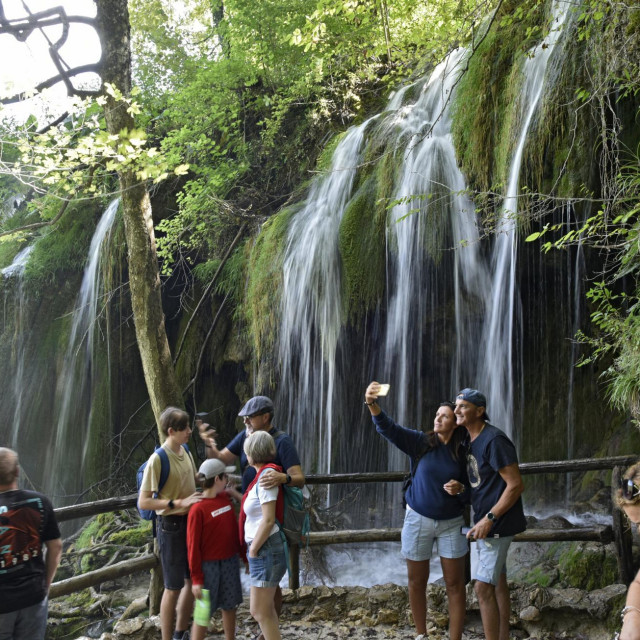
(213, 547)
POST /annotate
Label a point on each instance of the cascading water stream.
(497, 374)
(71, 436)
(16, 271)
(310, 304)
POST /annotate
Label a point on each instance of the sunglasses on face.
(629, 489)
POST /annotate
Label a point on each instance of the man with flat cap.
(496, 489)
(257, 415)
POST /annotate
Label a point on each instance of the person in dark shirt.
(27, 522)
(434, 508)
(496, 489)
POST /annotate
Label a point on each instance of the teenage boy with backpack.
(171, 503)
(257, 415)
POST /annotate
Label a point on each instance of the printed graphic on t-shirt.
(20, 533)
(473, 471)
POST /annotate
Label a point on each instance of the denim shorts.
(419, 534)
(271, 564)
(172, 548)
(491, 559)
(29, 623)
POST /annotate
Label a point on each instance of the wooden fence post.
(621, 532)
(294, 566)
(156, 586)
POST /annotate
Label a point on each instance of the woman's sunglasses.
(629, 489)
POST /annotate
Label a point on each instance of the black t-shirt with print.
(26, 522)
(491, 451)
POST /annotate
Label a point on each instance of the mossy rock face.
(588, 566)
(362, 249)
(264, 278)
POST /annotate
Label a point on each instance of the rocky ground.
(382, 612)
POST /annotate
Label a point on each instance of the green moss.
(95, 529)
(10, 246)
(538, 576)
(362, 249)
(264, 281)
(135, 537)
(482, 112)
(326, 155)
(63, 249)
(586, 566)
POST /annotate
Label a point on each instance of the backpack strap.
(165, 465)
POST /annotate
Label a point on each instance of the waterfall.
(450, 316)
(498, 374)
(71, 435)
(16, 271)
(310, 304)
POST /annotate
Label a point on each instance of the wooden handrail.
(602, 534)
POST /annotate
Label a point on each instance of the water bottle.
(202, 611)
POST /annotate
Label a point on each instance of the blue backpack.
(150, 514)
(296, 522)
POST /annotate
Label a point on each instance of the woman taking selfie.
(434, 511)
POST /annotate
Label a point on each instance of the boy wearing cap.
(496, 489)
(213, 547)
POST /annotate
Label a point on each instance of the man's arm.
(147, 501)
(52, 559)
(271, 478)
(511, 475)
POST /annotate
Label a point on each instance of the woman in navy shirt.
(434, 507)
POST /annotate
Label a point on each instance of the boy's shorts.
(271, 564)
(222, 578)
(419, 534)
(491, 559)
(172, 547)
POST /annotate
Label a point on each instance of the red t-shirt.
(212, 533)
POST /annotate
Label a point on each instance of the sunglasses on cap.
(629, 489)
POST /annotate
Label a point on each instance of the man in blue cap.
(257, 415)
(496, 489)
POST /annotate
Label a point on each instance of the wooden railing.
(618, 533)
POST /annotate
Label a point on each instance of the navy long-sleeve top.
(426, 494)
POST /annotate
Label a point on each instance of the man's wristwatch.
(171, 504)
(288, 480)
(491, 516)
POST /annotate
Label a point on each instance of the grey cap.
(213, 467)
(257, 404)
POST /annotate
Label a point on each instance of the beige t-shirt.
(180, 483)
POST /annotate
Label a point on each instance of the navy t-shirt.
(425, 494)
(286, 454)
(491, 451)
(26, 521)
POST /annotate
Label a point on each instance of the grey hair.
(260, 447)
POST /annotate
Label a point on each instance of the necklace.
(484, 424)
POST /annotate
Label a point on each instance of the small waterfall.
(499, 374)
(71, 436)
(311, 303)
(420, 234)
(16, 271)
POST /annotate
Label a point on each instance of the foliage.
(614, 56)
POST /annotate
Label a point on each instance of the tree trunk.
(113, 28)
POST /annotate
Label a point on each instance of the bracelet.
(370, 403)
(627, 609)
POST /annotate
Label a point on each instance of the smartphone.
(464, 531)
(384, 389)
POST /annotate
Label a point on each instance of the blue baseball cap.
(473, 396)
(257, 404)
